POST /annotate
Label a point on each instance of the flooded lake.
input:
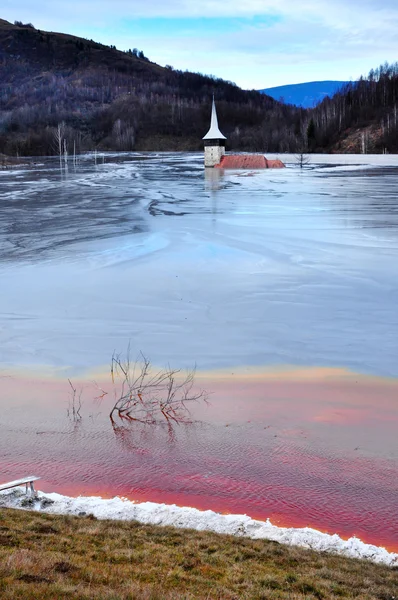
(280, 286)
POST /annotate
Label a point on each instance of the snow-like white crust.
(191, 518)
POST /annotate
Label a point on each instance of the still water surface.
(280, 286)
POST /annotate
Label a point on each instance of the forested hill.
(97, 97)
(110, 99)
(361, 117)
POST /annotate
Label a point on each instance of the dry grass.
(54, 557)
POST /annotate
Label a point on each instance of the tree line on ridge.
(106, 99)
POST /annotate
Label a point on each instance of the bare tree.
(145, 395)
(302, 159)
(59, 141)
(65, 149)
(75, 404)
(364, 142)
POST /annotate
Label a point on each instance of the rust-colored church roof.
(248, 161)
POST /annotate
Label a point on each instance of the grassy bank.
(56, 557)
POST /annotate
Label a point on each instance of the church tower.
(214, 141)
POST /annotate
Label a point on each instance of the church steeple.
(214, 141)
(214, 133)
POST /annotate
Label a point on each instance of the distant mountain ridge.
(306, 95)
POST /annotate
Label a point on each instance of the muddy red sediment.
(248, 161)
(312, 447)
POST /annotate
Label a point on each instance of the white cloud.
(335, 12)
(312, 39)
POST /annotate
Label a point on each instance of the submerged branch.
(150, 397)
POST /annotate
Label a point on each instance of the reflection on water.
(304, 447)
(214, 180)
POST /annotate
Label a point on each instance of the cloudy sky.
(256, 43)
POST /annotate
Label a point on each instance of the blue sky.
(256, 43)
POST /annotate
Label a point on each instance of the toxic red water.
(304, 448)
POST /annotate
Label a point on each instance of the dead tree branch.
(150, 396)
(75, 404)
(302, 159)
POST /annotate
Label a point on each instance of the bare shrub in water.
(145, 395)
(302, 159)
(75, 404)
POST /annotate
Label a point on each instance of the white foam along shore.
(162, 514)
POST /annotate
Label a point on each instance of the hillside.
(306, 95)
(361, 117)
(61, 52)
(110, 99)
(48, 557)
(54, 85)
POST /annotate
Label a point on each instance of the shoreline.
(150, 513)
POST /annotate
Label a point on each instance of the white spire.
(214, 133)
